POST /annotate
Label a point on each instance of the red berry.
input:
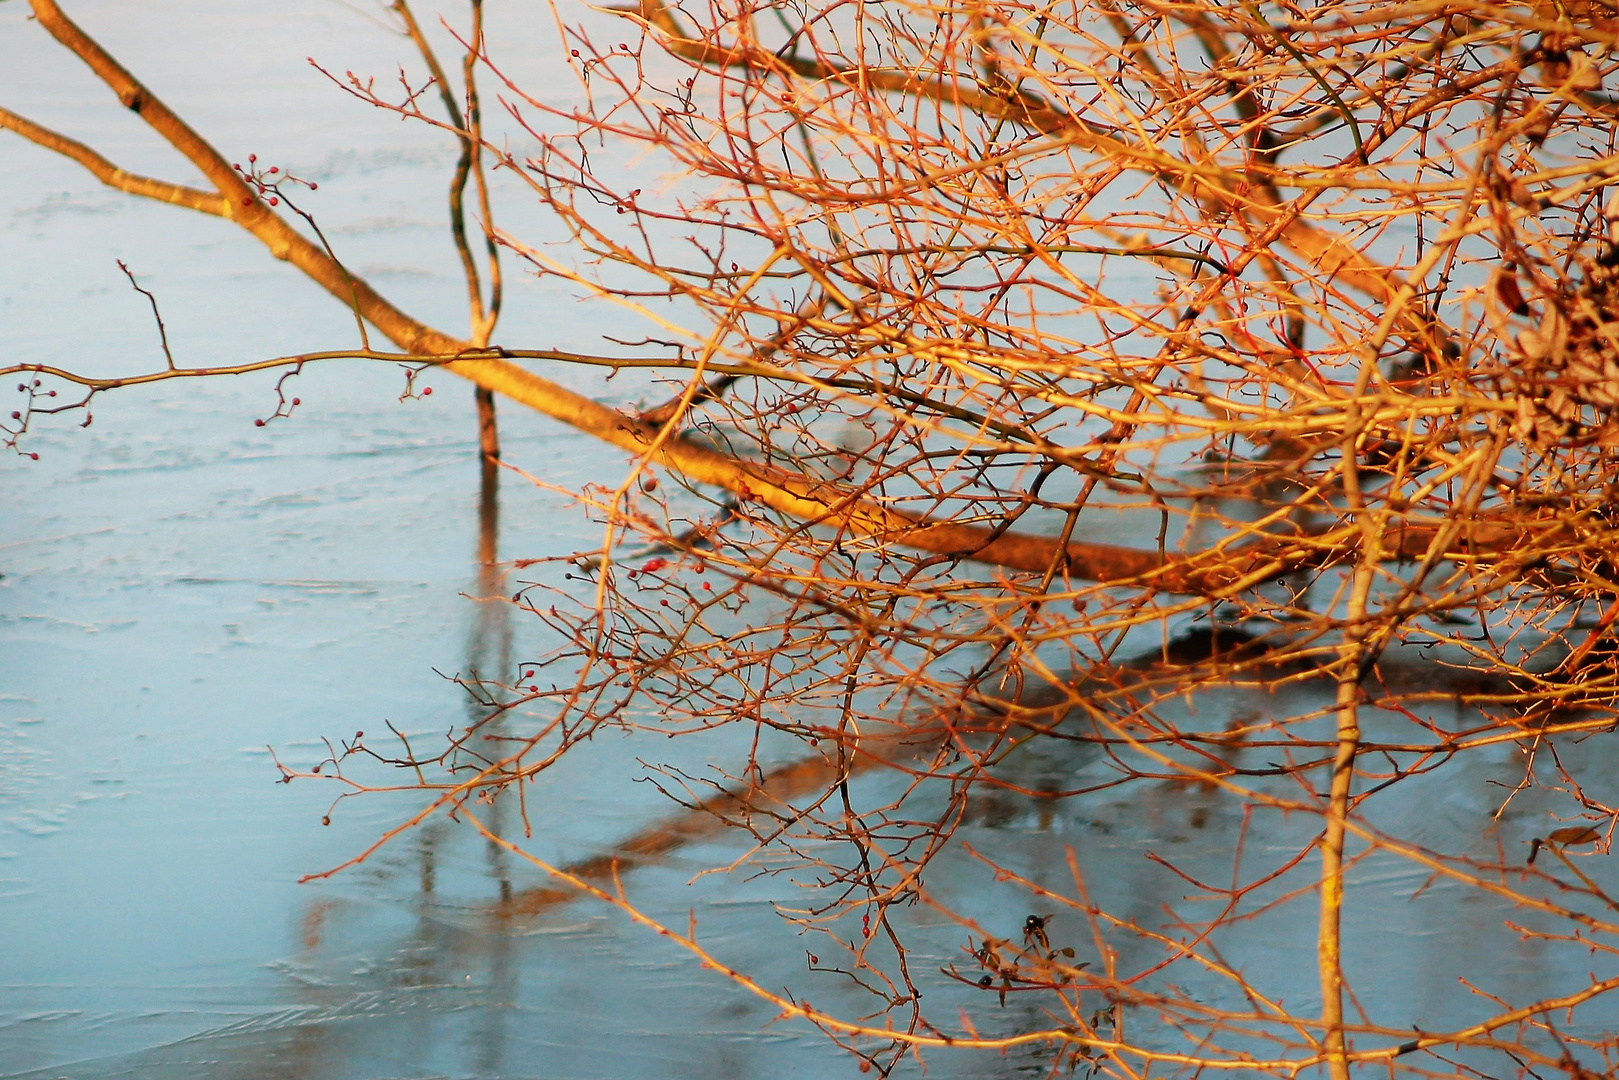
(296, 402)
(34, 456)
(15, 415)
(654, 565)
(313, 186)
(258, 423)
(274, 169)
(427, 391)
(274, 201)
(665, 603)
(252, 158)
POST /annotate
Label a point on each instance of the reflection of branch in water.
(773, 795)
(489, 644)
(489, 648)
(699, 821)
(1195, 657)
(435, 954)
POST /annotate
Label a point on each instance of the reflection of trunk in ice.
(489, 653)
(772, 798)
(435, 954)
(489, 644)
(1202, 656)
(774, 803)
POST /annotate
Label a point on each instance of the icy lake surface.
(183, 590)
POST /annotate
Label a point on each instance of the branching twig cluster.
(1031, 365)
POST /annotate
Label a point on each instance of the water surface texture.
(184, 590)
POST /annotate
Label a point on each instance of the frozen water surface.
(183, 590)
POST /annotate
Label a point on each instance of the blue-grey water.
(183, 590)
